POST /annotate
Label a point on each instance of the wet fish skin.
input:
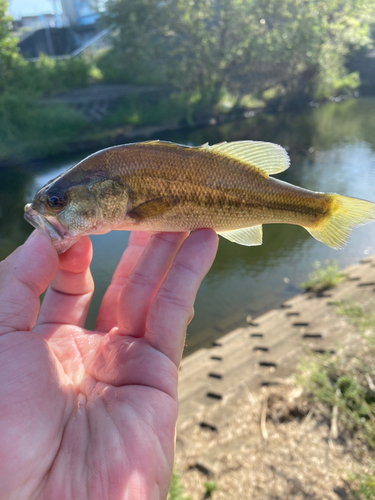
(161, 186)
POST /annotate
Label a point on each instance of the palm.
(92, 414)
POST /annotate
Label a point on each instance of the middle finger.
(108, 312)
(144, 281)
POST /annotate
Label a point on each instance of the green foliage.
(10, 60)
(210, 486)
(346, 381)
(57, 75)
(363, 485)
(241, 46)
(49, 76)
(324, 276)
(148, 109)
(330, 382)
(176, 491)
(364, 321)
(31, 131)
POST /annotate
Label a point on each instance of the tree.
(10, 59)
(244, 46)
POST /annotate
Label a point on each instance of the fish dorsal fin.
(268, 157)
(250, 236)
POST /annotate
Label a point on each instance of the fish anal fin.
(265, 156)
(249, 236)
(153, 208)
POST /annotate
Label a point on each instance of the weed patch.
(342, 389)
(326, 275)
(363, 485)
(176, 491)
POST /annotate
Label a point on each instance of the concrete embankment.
(260, 354)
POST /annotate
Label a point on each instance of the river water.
(332, 148)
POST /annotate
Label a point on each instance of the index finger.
(69, 295)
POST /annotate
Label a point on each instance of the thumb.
(24, 275)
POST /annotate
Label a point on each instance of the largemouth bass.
(161, 186)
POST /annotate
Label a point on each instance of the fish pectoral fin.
(152, 208)
(265, 156)
(250, 236)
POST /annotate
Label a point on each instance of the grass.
(325, 275)
(345, 381)
(363, 485)
(176, 491)
(363, 320)
(337, 384)
(342, 389)
(210, 486)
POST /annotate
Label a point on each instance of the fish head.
(68, 207)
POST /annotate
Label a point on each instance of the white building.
(37, 14)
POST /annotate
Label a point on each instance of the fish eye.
(55, 201)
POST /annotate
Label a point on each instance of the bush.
(47, 75)
(30, 131)
(149, 109)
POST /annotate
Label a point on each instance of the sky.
(18, 8)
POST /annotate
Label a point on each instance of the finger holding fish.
(144, 280)
(68, 297)
(108, 312)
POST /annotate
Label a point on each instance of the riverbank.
(96, 141)
(243, 424)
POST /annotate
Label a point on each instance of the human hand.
(91, 415)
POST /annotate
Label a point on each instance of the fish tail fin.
(346, 214)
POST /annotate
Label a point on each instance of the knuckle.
(173, 299)
(185, 268)
(168, 238)
(137, 278)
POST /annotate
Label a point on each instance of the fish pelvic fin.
(265, 156)
(347, 213)
(250, 236)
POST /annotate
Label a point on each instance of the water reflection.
(332, 149)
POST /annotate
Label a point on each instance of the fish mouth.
(60, 238)
(43, 225)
